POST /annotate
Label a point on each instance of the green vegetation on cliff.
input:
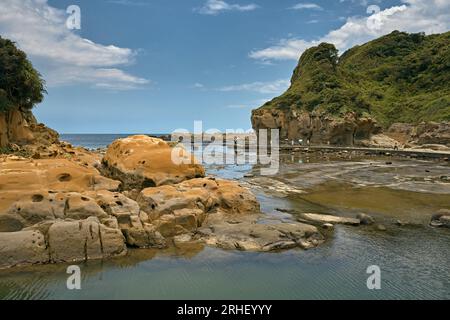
(397, 78)
(21, 86)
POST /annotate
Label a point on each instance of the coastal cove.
(413, 258)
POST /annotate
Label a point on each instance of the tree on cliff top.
(21, 86)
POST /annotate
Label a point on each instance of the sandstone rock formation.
(315, 128)
(431, 133)
(63, 204)
(184, 207)
(248, 233)
(141, 162)
(21, 128)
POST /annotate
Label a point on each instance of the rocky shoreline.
(60, 203)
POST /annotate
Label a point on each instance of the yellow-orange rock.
(32, 179)
(14, 128)
(141, 162)
(183, 207)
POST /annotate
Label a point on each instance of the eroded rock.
(315, 128)
(84, 240)
(247, 234)
(141, 162)
(173, 209)
(22, 248)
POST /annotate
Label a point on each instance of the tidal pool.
(414, 259)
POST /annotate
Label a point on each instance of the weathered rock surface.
(141, 162)
(83, 240)
(323, 218)
(183, 207)
(430, 133)
(21, 128)
(32, 180)
(247, 234)
(380, 141)
(315, 128)
(22, 248)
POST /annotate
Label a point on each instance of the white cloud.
(198, 85)
(277, 86)
(303, 6)
(429, 16)
(61, 55)
(214, 7)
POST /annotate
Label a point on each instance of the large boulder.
(141, 162)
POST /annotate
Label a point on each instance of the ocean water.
(414, 261)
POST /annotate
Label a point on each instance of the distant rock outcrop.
(316, 128)
(344, 100)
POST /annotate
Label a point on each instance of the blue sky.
(157, 65)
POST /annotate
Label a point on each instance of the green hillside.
(397, 78)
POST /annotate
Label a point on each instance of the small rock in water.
(249, 175)
(365, 219)
(388, 162)
(400, 223)
(183, 238)
(441, 219)
(328, 226)
(380, 227)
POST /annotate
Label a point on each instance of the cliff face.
(316, 128)
(399, 78)
(423, 134)
(21, 128)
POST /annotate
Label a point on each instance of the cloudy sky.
(156, 65)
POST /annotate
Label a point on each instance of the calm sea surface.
(414, 262)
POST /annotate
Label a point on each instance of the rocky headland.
(390, 92)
